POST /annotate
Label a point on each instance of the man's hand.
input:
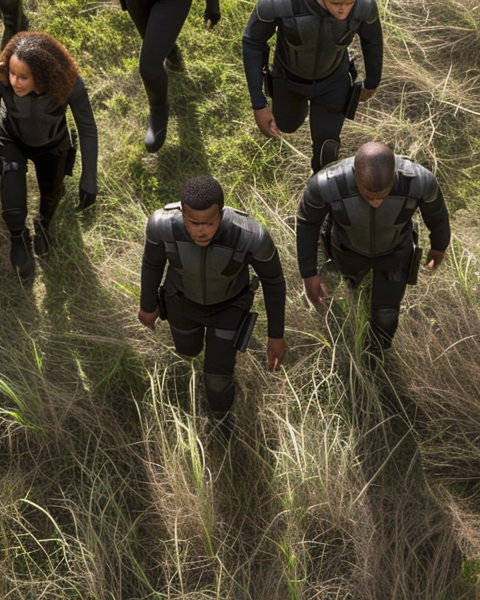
(434, 259)
(275, 352)
(366, 94)
(316, 289)
(266, 122)
(148, 318)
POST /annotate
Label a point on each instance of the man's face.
(340, 9)
(202, 225)
(375, 199)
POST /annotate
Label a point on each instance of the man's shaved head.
(374, 165)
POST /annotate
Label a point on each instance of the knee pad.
(329, 152)
(220, 390)
(384, 324)
(8, 166)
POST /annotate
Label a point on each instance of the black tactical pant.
(159, 23)
(50, 171)
(389, 281)
(13, 19)
(195, 326)
(326, 98)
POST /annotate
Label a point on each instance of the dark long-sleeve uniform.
(311, 63)
(365, 238)
(35, 127)
(208, 287)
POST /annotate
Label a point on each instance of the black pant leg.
(289, 108)
(50, 170)
(159, 23)
(13, 187)
(326, 115)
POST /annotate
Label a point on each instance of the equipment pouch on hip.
(71, 152)
(416, 259)
(162, 305)
(354, 93)
(353, 100)
(245, 331)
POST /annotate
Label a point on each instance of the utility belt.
(309, 87)
(243, 301)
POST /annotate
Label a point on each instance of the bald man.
(371, 198)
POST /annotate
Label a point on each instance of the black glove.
(211, 17)
(85, 199)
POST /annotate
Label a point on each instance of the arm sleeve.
(271, 277)
(435, 217)
(80, 106)
(371, 39)
(310, 216)
(153, 266)
(255, 53)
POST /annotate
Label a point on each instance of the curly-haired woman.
(159, 23)
(38, 81)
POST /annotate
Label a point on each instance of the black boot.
(21, 255)
(157, 129)
(41, 241)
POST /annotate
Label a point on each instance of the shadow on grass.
(71, 362)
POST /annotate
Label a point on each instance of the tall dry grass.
(339, 483)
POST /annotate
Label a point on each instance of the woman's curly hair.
(53, 69)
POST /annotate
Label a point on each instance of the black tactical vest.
(312, 43)
(217, 272)
(366, 230)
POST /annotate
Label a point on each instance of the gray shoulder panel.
(254, 238)
(159, 226)
(367, 10)
(424, 186)
(269, 10)
(323, 188)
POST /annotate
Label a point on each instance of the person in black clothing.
(371, 199)
(14, 19)
(38, 81)
(311, 66)
(207, 291)
(159, 23)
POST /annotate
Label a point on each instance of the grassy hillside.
(338, 484)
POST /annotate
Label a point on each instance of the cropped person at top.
(311, 66)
